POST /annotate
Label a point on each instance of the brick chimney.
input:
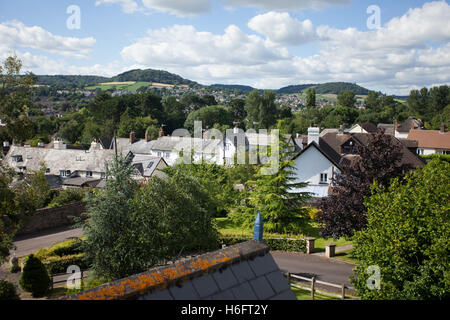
(147, 139)
(341, 130)
(396, 126)
(161, 133)
(442, 128)
(132, 137)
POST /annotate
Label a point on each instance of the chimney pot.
(442, 128)
(132, 137)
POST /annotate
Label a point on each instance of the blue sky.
(263, 43)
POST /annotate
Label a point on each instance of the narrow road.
(329, 270)
(30, 243)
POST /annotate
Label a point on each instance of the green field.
(311, 229)
(120, 86)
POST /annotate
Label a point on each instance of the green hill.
(150, 75)
(69, 82)
(325, 88)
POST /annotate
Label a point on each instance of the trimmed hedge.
(57, 264)
(63, 248)
(281, 244)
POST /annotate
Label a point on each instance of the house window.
(102, 175)
(17, 159)
(64, 173)
(420, 151)
(88, 174)
(47, 170)
(159, 153)
(22, 169)
(324, 178)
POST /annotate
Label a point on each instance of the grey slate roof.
(56, 160)
(246, 271)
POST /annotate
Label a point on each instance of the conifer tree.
(277, 196)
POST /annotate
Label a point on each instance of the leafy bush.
(56, 264)
(407, 238)
(66, 247)
(8, 291)
(445, 157)
(61, 255)
(68, 196)
(35, 278)
(281, 244)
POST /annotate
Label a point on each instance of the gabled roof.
(147, 164)
(325, 150)
(432, 139)
(335, 141)
(246, 271)
(56, 160)
(409, 123)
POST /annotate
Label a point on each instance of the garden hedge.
(281, 244)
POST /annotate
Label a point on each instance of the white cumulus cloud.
(287, 4)
(281, 28)
(16, 34)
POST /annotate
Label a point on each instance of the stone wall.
(48, 218)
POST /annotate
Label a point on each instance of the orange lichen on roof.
(159, 279)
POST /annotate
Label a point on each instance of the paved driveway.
(325, 269)
(30, 243)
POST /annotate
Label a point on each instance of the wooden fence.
(64, 280)
(292, 277)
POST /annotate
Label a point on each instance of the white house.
(76, 167)
(316, 164)
(431, 141)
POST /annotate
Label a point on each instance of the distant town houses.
(70, 167)
(323, 155)
(431, 141)
(317, 156)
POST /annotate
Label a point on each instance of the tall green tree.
(346, 98)
(310, 97)
(406, 238)
(112, 245)
(215, 181)
(343, 212)
(16, 199)
(15, 99)
(252, 106)
(276, 195)
(268, 110)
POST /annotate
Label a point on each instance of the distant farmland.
(130, 85)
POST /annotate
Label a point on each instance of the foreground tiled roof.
(245, 271)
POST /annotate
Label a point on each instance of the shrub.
(63, 248)
(281, 244)
(56, 264)
(8, 291)
(68, 196)
(35, 278)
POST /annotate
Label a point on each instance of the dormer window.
(88, 174)
(17, 158)
(64, 173)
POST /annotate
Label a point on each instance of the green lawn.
(227, 227)
(303, 294)
(346, 256)
(129, 87)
